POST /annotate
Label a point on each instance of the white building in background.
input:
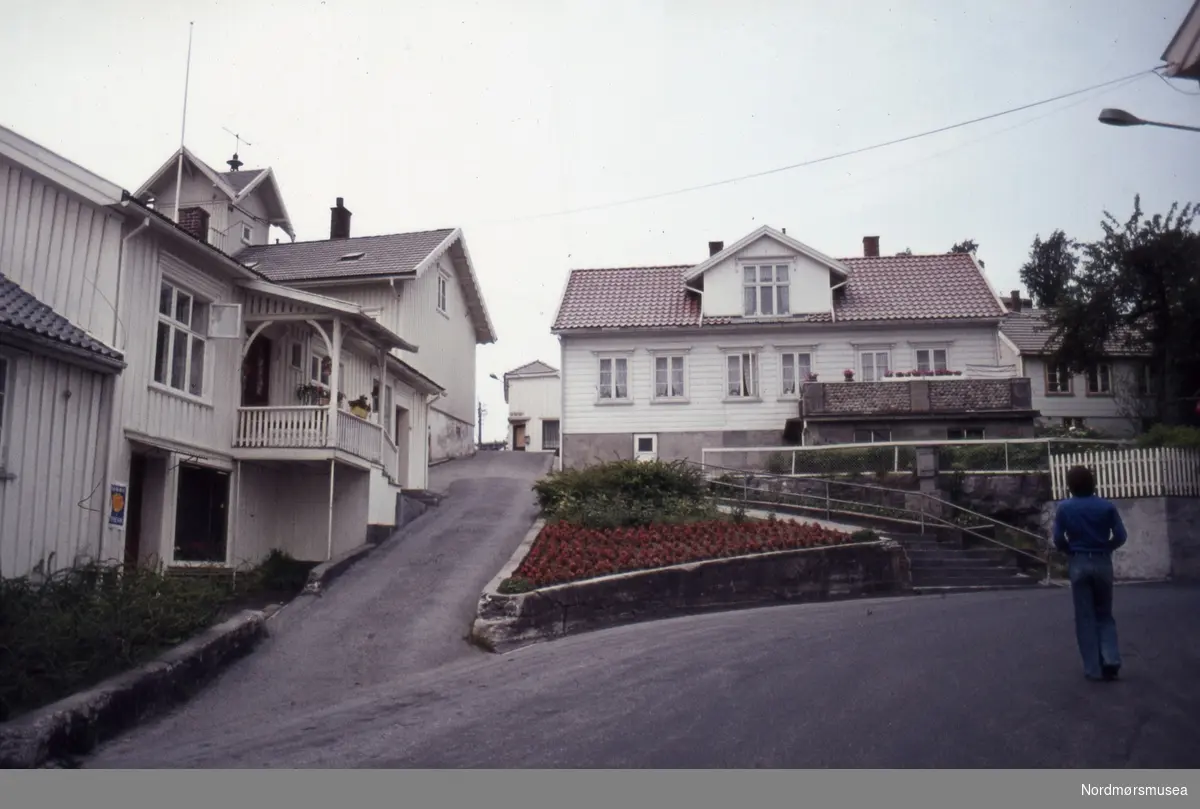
(533, 394)
(162, 400)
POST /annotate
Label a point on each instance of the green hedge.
(625, 493)
(83, 624)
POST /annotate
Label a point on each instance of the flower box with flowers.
(923, 373)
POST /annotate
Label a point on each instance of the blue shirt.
(1088, 524)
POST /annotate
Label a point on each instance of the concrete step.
(938, 561)
(973, 580)
(997, 556)
(948, 589)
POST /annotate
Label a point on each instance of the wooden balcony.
(300, 432)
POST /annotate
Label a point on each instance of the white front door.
(645, 447)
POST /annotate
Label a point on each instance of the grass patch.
(84, 624)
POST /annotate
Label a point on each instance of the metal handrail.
(923, 514)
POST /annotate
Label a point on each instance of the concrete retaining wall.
(810, 574)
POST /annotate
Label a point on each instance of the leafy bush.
(778, 464)
(864, 535)
(281, 573)
(1162, 435)
(515, 584)
(623, 493)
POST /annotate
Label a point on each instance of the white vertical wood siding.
(53, 442)
(60, 249)
(207, 421)
(808, 281)
(705, 375)
(225, 220)
(537, 399)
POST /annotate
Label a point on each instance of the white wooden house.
(533, 394)
(230, 429)
(752, 347)
(1115, 396)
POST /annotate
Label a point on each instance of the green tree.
(1140, 285)
(1051, 266)
(968, 246)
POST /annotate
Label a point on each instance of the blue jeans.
(1095, 630)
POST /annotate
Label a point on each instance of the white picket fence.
(1158, 472)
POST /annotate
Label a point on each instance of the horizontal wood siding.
(536, 399)
(61, 249)
(53, 442)
(834, 350)
(1079, 404)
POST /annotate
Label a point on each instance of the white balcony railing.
(358, 436)
(307, 428)
(282, 427)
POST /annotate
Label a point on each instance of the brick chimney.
(339, 221)
(715, 247)
(871, 246)
(1014, 301)
(195, 222)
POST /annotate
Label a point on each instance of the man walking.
(1088, 529)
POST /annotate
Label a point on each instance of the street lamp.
(1116, 117)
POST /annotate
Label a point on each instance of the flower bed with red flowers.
(565, 553)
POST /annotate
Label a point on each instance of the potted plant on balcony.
(810, 377)
(360, 407)
(848, 374)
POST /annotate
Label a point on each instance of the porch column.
(383, 417)
(335, 356)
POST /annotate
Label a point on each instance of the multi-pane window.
(872, 436)
(965, 434)
(875, 365)
(668, 377)
(441, 292)
(179, 344)
(297, 356)
(765, 290)
(319, 369)
(1099, 379)
(931, 359)
(796, 368)
(1058, 380)
(614, 378)
(1145, 380)
(742, 378)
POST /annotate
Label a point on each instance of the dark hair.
(1080, 481)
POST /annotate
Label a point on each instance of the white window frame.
(296, 362)
(557, 434)
(315, 375)
(751, 392)
(175, 328)
(247, 233)
(614, 360)
(780, 290)
(875, 439)
(876, 375)
(1058, 373)
(1074, 422)
(1094, 374)
(669, 356)
(930, 362)
(637, 439)
(793, 364)
(443, 292)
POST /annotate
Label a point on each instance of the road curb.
(323, 574)
(484, 630)
(75, 725)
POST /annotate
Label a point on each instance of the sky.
(497, 116)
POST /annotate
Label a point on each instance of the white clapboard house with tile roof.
(755, 346)
(533, 394)
(230, 429)
(1115, 396)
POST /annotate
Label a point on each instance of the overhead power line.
(828, 158)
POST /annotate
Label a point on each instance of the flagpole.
(183, 127)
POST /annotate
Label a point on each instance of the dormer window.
(247, 234)
(352, 257)
(765, 290)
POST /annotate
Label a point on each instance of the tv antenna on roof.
(236, 164)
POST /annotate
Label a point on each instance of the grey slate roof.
(1031, 332)
(391, 254)
(21, 312)
(238, 180)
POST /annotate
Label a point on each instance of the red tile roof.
(942, 287)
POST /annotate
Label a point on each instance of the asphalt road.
(978, 680)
